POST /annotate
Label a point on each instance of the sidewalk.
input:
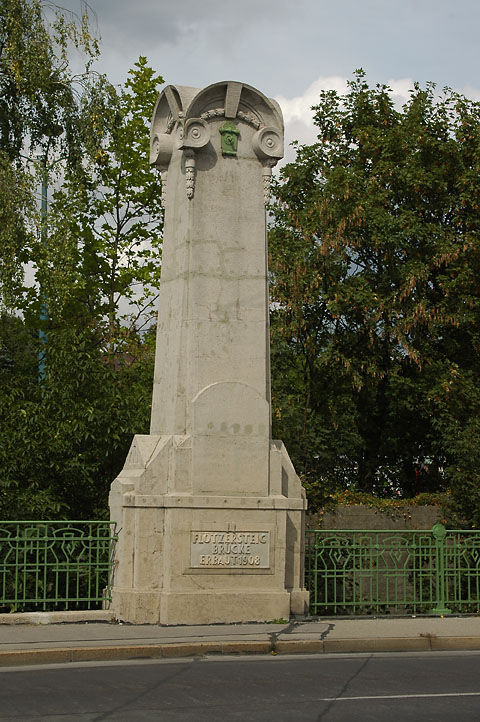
(44, 638)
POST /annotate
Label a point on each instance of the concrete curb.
(422, 643)
(103, 653)
(117, 652)
(88, 615)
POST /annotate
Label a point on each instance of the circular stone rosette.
(196, 133)
(161, 150)
(268, 143)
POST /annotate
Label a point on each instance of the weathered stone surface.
(209, 465)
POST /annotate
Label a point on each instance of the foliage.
(99, 259)
(394, 508)
(62, 442)
(38, 114)
(116, 213)
(96, 263)
(37, 96)
(374, 256)
(16, 208)
(458, 425)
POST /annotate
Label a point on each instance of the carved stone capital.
(185, 124)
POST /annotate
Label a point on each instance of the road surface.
(324, 688)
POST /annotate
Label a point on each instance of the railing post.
(439, 532)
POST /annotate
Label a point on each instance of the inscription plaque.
(230, 549)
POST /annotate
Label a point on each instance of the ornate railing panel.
(400, 572)
(55, 565)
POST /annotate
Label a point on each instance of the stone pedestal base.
(199, 558)
(202, 607)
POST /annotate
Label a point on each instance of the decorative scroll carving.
(172, 121)
(268, 143)
(161, 150)
(190, 173)
(182, 119)
(213, 113)
(196, 134)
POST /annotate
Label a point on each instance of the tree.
(62, 443)
(112, 212)
(38, 114)
(374, 254)
(37, 93)
(100, 243)
(100, 265)
(103, 244)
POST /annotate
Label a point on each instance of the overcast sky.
(291, 49)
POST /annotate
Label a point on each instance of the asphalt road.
(326, 688)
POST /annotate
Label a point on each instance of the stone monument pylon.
(209, 509)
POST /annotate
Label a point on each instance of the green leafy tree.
(38, 114)
(101, 243)
(37, 88)
(374, 257)
(111, 214)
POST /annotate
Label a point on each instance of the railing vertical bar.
(44, 568)
(24, 568)
(56, 565)
(93, 550)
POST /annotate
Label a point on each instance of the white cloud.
(299, 107)
(400, 90)
(470, 92)
(298, 114)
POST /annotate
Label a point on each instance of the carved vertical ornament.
(190, 173)
(163, 175)
(267, 179)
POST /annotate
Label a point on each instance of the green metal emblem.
(229, 133)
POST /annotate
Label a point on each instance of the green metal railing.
(69, 565)
(402, 572)
(55, 565)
